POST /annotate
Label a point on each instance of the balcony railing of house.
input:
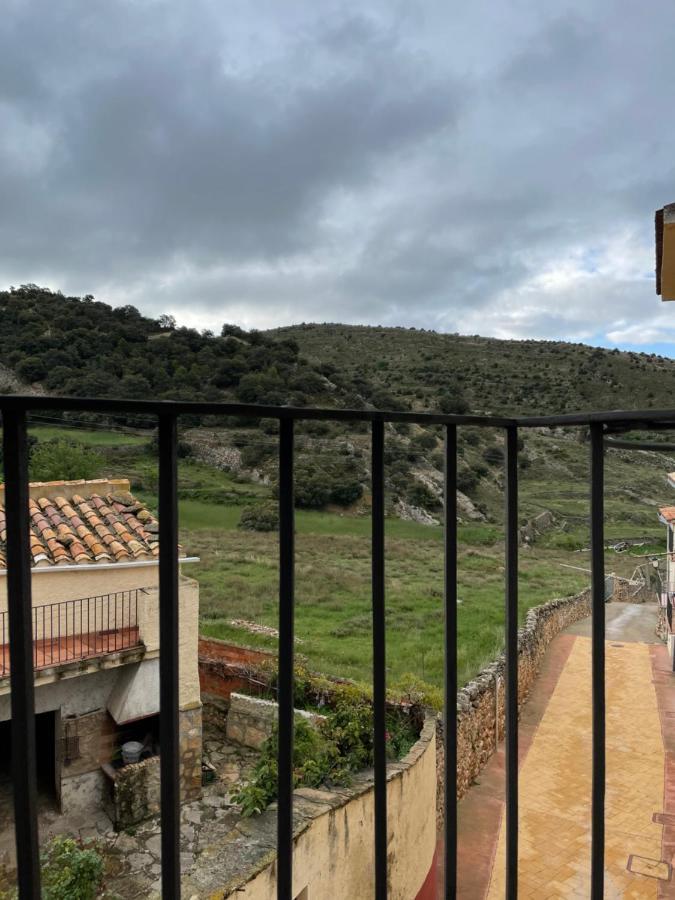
(78, 629)
(601, 425)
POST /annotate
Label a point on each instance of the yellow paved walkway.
(555, 783)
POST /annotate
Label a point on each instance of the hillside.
(228, 466)
(421, 368)
(78, 346)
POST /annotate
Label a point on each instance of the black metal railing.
(15, 410)
(78, 629)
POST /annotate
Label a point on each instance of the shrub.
(420, 495)
(425, 440)
(262, 517)
(467, 481)
(341, 745)
(453, 403)
(494, 456)
(61, 459)
(71, 870)
(337, 482)
(253, 455)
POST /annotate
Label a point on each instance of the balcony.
(75, 630)
(83, 642)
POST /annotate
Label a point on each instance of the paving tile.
(555, 782)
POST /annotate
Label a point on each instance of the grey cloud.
(266, 164)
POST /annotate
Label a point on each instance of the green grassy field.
(238, 573)
(90, 438)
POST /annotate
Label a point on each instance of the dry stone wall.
(480, 703)
(250, 721)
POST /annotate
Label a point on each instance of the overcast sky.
(488, 167)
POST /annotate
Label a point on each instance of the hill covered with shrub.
(75, 346)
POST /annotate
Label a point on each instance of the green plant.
(421, 495)
(63, 460)
(71, 870)
(340, 745)
(261, 517)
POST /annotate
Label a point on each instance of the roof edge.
(52, 489)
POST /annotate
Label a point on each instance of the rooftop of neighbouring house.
(667, 514)
(84, 523)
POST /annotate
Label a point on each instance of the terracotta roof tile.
(71, 528)
(667, 513)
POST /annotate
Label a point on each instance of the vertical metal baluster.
(168, 657)
(35, 628)
(511, 681)
(598, 662)
(51, 632)
(82, 653)
(450, 661)
(379, 661)
(44, 655)
(107, 636)
(286, 659)
(19, 603)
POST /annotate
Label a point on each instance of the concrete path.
(555, 774)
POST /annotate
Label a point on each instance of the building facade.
(95, 608)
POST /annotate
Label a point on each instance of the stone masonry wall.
(480, 703)
(190, 725)
(250, 721)
(135, 791)
(625, 592)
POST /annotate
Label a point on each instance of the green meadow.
(238, 570)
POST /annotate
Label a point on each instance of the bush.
(71, 870)
(252, 455)
(420, 495)
(262, 517)
(426, 440)
(494, 456)
(467, 481)
(338, 483)
(453, 404)
(62, 460)
(341, 745)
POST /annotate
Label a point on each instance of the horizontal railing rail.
(78, 629)
(15, 410)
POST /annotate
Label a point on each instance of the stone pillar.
(190, 725)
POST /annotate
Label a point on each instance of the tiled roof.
(86, 522)
(667, 514)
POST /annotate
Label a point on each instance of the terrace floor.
(555, 774)
(58, 650)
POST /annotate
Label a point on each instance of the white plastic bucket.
(131, 752)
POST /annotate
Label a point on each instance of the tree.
(453, 403)
(63, 460)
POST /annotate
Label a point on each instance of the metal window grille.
(14, 415)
